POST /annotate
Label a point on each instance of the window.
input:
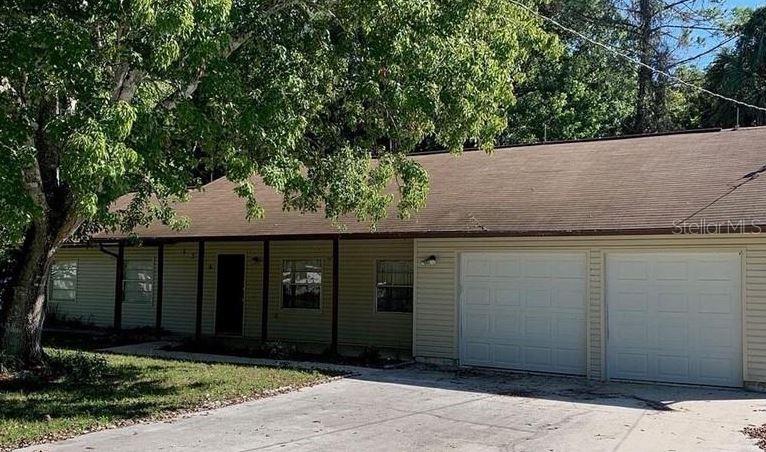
(139, 281)
(63, 282)
(302, 284)
(394, 286)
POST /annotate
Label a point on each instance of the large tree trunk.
(23, 310)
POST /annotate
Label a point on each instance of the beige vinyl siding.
(435, 323)
(300, 325)
(180, 288)
(94, 298)
(755, 313)
(358, 322)
(140, 314)
(253, 252)
(436, 318)
(595, 313)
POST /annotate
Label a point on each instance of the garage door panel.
(537, 329)
(631, 365)
(631, 270)
(630, 299)
(477, 324)
(673, 334)
(506, 324)
(478, 352)
(671, 270)
(716, 301)
(717, 270)
(537, 295)
(477, 295)
(717, 369)
(571, 268)
(628, 330)
(536, 310)
(673, 367)
(569, 328)
(538, 358)
(507, 355)
(673, 302)
(570, 360)
(507, 296)
(569, 295)
(716, 336)
(678, 320)
(537, 267)
(477, 267)
(507, 268)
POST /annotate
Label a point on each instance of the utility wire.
(633, 60)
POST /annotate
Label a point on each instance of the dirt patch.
(758, 433)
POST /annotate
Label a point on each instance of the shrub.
(77, 367)
(279, 350)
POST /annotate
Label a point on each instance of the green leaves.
(321, 100)
(740, 73)
(142, 13)
(119, 120)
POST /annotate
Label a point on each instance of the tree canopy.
(583, 93)
(122, 94)
(740, 73)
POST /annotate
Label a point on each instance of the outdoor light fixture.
(429, 261)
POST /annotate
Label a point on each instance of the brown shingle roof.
(632, 185)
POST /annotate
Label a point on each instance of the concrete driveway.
(423, 409)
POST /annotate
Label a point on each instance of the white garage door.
(523, 311)
(675, 317)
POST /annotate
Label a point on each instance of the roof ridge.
(589, 140)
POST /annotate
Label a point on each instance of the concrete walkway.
(419, 408)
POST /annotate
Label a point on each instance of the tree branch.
(691, 27)
(706, 52)
(33, 183)
(237, 42)
(674, 4)
(126, 81)
(186, 92)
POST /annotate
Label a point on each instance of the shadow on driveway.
(651, 396)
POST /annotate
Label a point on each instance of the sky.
(728, 4)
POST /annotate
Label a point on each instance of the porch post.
(119, 288)
(200, 282)
(335, 272)
(265, 292)
(160, 284)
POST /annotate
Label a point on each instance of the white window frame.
(282, 284)
(52, 279)
(127, 281)
(376, 285)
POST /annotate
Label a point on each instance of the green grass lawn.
(127, 389)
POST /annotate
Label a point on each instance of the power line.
(633, 60)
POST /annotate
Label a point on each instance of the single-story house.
(639, 258)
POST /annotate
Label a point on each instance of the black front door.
(230, 294)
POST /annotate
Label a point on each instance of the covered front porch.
(329, 294)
